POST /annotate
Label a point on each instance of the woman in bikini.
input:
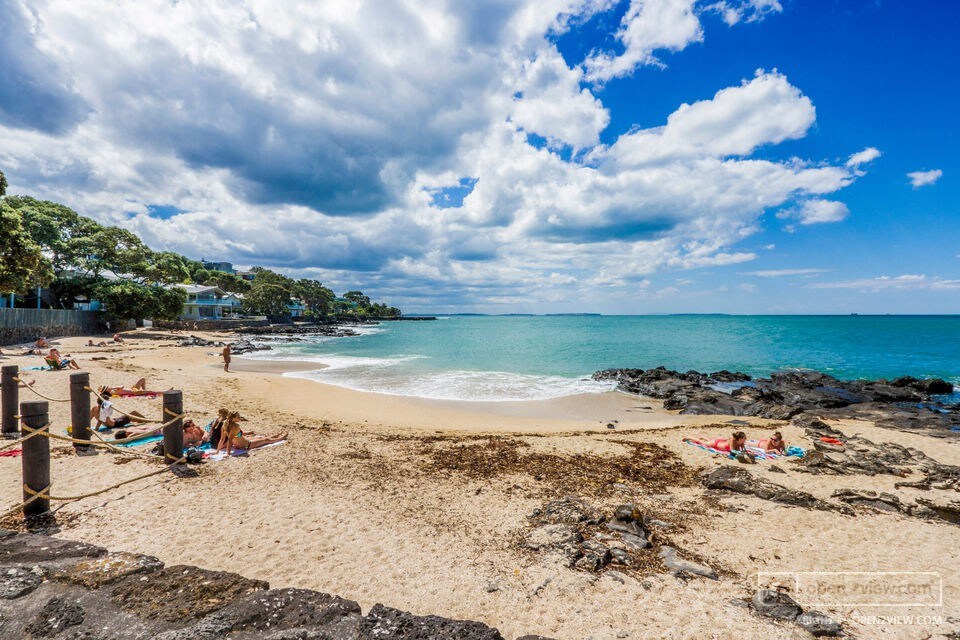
(736, 443)
(774, 443)
(233, 438)
(139, 388)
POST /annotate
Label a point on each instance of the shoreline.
(438, 496)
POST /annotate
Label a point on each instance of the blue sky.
(642, 156)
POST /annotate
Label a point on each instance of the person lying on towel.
(773, 444)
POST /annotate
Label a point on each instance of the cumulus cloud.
(316, 140)
(863, 157)
(817, 212)
(551, 103)
(647, 26)
(924, 178)
(764, 110)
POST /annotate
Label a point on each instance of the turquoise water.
(519, 357)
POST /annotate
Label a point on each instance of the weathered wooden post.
(36, 457)
(10, 400)
(173, 432)
(80, 409)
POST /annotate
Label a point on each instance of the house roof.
(198, 288)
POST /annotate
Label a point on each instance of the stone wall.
(208, 325)
(53, 588)
(24, 325)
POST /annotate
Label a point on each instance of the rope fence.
(29, 385)
(32, 421)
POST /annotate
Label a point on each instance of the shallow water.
(526, 358)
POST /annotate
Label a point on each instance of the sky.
(634, 156)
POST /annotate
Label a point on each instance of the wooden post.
(173, 432)
(36, 457)
(10, 401)
(80, 407)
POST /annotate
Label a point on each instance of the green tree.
(314, 295)
(3, 184)
(265, 298)
(22, 263)
(357, 297)
(128, 300)
(229, 282)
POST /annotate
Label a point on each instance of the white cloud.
(906, 282)
(734, 11)
(554, 106)
(863, 157)
(817, 211)
(648, 26)
(314, 139)
(777, 273)
(765, 110)
(923, 178)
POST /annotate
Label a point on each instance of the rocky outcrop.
(53, 588)
(587, 540)
(777, 605)
(740, 480)
(904, 403)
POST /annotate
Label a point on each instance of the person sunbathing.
(136, 432)
(58, 362)
(118, 338)
(730, 445)
(99, 344)
(233, 437)
(103, 414)
(773, 443)
(193, 436)
(42, 343)
(139, 388)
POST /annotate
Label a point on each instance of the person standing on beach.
(226, 358)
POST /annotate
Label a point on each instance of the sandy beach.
(423, 505)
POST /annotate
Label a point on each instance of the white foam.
(381, 376)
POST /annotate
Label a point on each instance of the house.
(206, 302)
(225, 267)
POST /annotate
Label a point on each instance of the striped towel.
(752, 449)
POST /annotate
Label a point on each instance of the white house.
(209, 303)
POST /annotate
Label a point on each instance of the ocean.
(503, 358)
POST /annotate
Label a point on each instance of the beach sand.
(421, 504)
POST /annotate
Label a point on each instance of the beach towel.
(11, 453)
(214, 456)
(37, 369)
(137, 443)
(126, 393)
(750, 448)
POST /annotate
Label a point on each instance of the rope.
(44, 493)
(14, 443)
(89, 443)
(45, 397)
(129, 415)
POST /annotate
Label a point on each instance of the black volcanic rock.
(904, 403)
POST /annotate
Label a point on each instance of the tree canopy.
(49, 244)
